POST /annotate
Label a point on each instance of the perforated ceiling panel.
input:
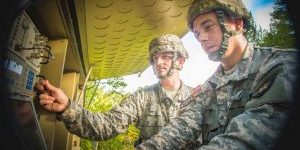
(118, 32)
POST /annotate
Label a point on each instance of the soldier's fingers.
(48, 107)
(46, 97)
(39, 86)
(46, 102)
(49, 86)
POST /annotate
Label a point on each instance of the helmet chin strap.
(176, 66)
(173, 65)
(218, 54)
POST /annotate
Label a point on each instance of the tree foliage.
(101, 96)
(281, 33)
(253, 33)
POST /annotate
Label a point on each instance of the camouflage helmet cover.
(234, 8)
(167, 43)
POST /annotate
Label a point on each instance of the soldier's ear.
(181, 62)
(239, 24)
(234, 23)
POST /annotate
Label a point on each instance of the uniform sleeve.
(99, 126)
(180, 132)
(267, 111)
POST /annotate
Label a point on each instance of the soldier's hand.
(51, 97)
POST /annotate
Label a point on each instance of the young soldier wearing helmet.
(150, 108)
(246, 102)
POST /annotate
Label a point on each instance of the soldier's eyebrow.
(206, 22)
(203, 24)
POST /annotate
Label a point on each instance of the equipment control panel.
(27, 52)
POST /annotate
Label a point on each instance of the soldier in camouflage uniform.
(150, 108)
(245, 103)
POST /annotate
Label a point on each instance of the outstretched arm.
(78, 120)
(99, 126)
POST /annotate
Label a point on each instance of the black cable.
(94, 83)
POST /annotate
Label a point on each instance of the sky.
(198, 67)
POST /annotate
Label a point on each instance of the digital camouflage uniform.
(242, 110)
(149, 108)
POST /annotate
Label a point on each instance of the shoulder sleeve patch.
(197, 90)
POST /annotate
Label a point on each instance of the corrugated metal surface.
(116, 33)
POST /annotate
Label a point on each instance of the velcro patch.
(197, 90)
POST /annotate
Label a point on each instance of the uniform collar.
(182, 93)
(240, 72)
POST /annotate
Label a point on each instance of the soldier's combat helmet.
(168, 43)
(234, 8)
